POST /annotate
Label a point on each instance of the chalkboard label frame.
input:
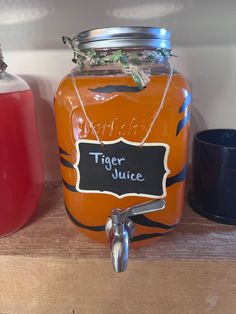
(137, 144)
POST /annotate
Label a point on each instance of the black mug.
(213, 191)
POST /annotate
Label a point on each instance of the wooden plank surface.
(32, 285)
(53, 234)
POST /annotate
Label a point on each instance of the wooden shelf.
(49, 267)
(53, 234)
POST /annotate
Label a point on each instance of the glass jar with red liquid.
(21, 167)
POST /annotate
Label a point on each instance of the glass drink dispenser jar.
(21, 168)
(122, 118)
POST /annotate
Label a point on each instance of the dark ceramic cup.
(213, 191)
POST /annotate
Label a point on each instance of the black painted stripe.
(81, 225)
(186, 103)
(182, 123)
(150, 223)
(147, 236)
(66, 163)
(144, 221)
(140, 237)
(140, 219)
(181, 176)
(115, 88)
(70, 187)
(63, 152)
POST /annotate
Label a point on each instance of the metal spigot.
(120, 230)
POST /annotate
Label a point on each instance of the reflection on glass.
(147, 11)
(14, 12)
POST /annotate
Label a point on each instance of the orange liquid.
(127, 115)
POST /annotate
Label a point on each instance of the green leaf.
(150, 58)
(136, 62)
(124, 59)
(91, 53)
(116, 55)
(137, 80)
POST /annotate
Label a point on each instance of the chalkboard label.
(122, 168)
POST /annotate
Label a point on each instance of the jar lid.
(124, 37)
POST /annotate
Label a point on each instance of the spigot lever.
(144, 208)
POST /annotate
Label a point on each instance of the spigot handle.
(120, 230)
(144, 208)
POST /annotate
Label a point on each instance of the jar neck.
(125, 57)
(136, 62)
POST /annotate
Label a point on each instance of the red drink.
(21, 170)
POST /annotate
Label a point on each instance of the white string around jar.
(155, 116)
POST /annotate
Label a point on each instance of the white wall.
(39, 24)
(210, 69)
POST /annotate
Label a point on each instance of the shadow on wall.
(197, 124)
(210, 71)
(46, 126)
